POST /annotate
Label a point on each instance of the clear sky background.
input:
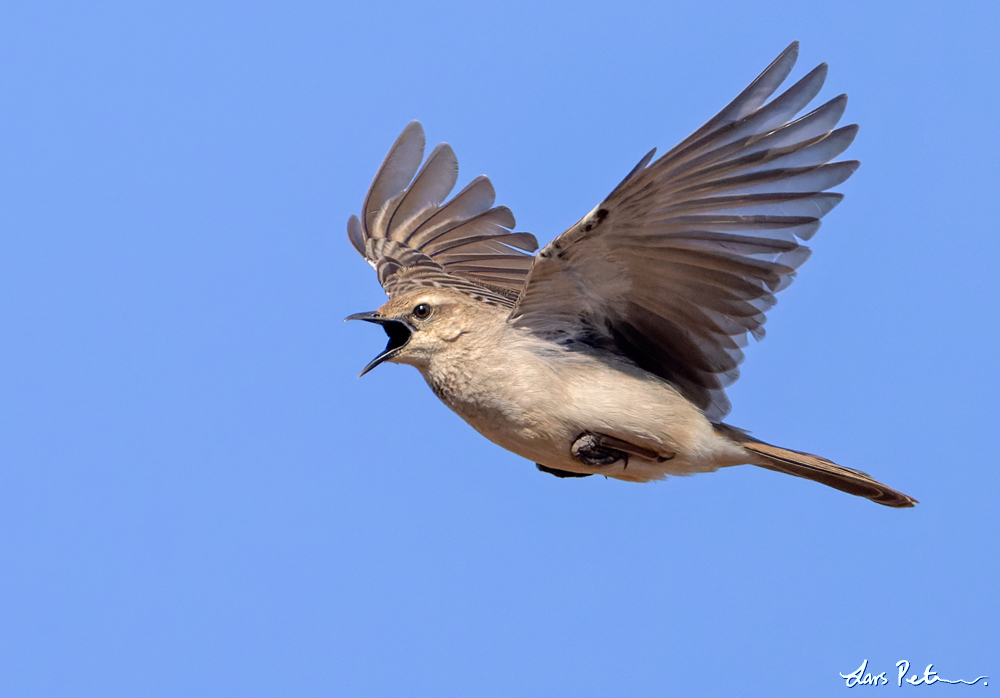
(199, 498)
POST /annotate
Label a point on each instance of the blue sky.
(199, 497)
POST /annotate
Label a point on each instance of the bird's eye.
(422, 311)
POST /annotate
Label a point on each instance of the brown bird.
(610, 350)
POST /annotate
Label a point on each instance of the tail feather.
(811, 467)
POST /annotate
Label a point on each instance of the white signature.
(861, 677)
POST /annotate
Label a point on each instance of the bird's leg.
(595, 449)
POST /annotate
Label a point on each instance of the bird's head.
(421, 325)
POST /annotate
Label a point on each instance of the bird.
(608, 352)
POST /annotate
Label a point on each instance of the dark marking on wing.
(595, 220)
(665, 349)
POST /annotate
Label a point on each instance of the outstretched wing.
(683, 259)
(412, 239)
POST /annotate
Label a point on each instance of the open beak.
(399, 334)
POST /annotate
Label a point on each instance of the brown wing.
(683, 259)
(413, 239)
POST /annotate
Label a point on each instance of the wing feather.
(397, 170)
(429, 189)
(681, 262)
(413, 238)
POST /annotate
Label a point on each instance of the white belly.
(538, 407)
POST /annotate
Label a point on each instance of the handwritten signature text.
(862, 677)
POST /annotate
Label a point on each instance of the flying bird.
(608, 352)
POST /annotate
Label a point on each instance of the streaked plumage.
(609, 351)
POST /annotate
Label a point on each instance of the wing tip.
(791, 50)
(355, 234)
(414, 126)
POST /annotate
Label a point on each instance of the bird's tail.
(810, 467)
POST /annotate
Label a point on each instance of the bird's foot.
(591, 449)
(599, 450)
